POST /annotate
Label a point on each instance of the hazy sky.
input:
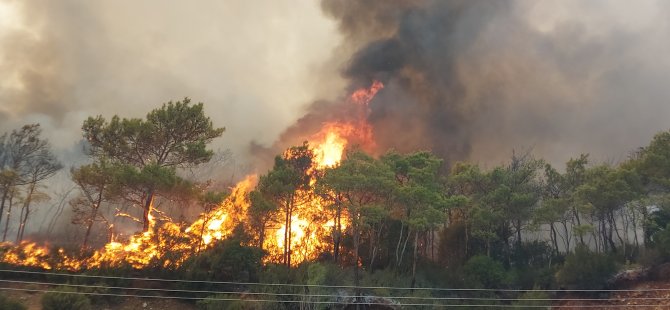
(258, 65)
(253, 64)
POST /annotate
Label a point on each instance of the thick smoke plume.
(467, 79)
(477, 79)
(252, 66)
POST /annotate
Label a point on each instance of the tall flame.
(168, 244)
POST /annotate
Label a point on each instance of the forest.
(328, 221)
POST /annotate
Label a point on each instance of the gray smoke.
(252, 65)
(466, 79)
(476, 79)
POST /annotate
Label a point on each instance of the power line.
(322, 295)
(333, 286)
(322, 302)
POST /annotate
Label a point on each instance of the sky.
(252, 64)
(558, 77)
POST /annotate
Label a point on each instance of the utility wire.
(324, 295)
(333, 286)
(323, 302)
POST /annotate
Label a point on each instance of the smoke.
(63, 61)
(477, 79)
(465, 79)
(252, 65)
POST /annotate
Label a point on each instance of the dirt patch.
(658, 293)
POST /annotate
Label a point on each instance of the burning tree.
(290, 221)
(173, 136)
(94, 181)
(363, 184)
(282, 186)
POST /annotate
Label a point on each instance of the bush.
(529, 300)
(661, 242)
(227, 260)
(483, 271)
(65, 299)
(10, 304)
(584, 269)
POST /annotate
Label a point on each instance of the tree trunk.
(23, 219)
(337, 235)
(404, 246)
(375, 235)
(554, 237)
(94, 214)
(202, 231)
(579, 223)
(567, 236)
(146, 216)
(9, 213)
(261, 237)
(290, 230)
(397, 247)
(357, 292)
(416, 256)
(518, 233)
(287, 223)
(5, 192)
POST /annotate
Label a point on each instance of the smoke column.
(477, 79)
(465, 79)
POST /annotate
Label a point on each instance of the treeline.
(131, 163)
(406, 210)
(408, 220)
(393, 220)
(26, 161)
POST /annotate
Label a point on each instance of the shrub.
(584, 269)
(10, 304)
(227, 260)
(661, 242)
(483, 271)
(529, 299)
(65, 299)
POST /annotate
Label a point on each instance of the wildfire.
(329, 152)
(167, 244)
(221, 221)
(365, 95)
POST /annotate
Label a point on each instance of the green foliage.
(147, 152)
(656, 221)
(484, 272)
(529, 300)
(531, 265)
(653, 162)
(227, 260)
(585, 269)
(276, 192)
(661, 242)
(7, 303)
(362, 181)
(65, 299)
(174, 135)
(452, 245)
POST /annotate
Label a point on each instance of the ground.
(659, 291)
(628, 300)
(33, 302)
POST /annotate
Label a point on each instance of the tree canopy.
(148, 151)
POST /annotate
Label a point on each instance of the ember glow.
(168, 245)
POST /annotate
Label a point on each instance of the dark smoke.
(472, 79)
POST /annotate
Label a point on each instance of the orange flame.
(169, 245)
